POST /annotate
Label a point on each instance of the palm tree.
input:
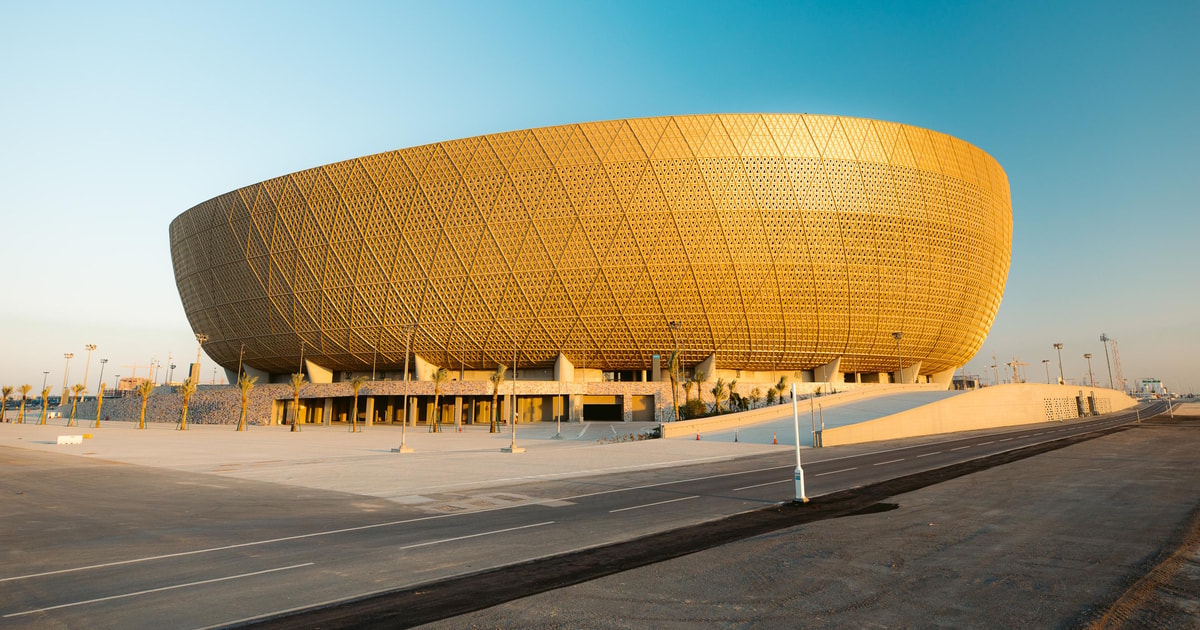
(245, 383)
(719, 393)
(356, 384)
(187, 389)
(144, 389)
(439, 377)
(24, 389)
(781, 387)
(734, 398)
(699, 376)
(297, 382)
(7, 391)
(78, 389)
(755, 397)
(45, 403)
(673, 372)
(99, 404)
(688, 384)
(497, 379)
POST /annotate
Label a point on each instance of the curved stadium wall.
(777, 241)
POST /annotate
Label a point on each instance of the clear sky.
(115, 117)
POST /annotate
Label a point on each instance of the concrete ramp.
(780, 427)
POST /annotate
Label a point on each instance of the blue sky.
(115, 117)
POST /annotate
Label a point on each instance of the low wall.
(990, 407)
(857, 392)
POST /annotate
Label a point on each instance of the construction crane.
(1116, 362)
(1016, 365)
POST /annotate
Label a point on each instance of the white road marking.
(637, 507)
(1004, 440)
(834, 472)
(504, 507)
(889, 462)
(985, 443)
(759, 485)
(928, 454)
(498, 531)
(156, 590)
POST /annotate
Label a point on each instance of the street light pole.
(675, 328)
(1061, 380)
(88, 364)
(409, 330)
(798, 474)
(241, 353)
(898, 335)
(100, 384)
(200, 339)
(1088, 356)
(512, 409)
(68, 356)
(45, 375)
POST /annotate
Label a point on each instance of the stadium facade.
(757, 244)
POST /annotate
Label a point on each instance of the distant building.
(1152, 386)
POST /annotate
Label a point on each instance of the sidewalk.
(332, 458)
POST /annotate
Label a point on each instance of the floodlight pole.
(1046, 364)
(799, 472)
(1061, 379)
(1104, 339)
(898, 335)
(1088, 356)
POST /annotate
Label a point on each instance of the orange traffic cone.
(774, 439)
(697, 436)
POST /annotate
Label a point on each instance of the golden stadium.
(774, 242)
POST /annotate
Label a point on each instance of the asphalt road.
(92, 544)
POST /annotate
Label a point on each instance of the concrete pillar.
(389, 412)
(328, 411)
(626, 408)
(828, 373)
(424, 370)
(370, 411)
(909, 374)
(656, 373)
(564, 370)
(709, 367)
(576, 403)
(317, 373)
(945, 377)
(458, 411)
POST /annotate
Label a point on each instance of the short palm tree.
(719, 392)
(297, 383)
(734, 398)
(356, 384)
(144, 389)
(187, 389)
(673, 372)
(438, 378)
(24, 389)
(781, 387)
(699, 376)
(45, 403)
(497, 379)
(245, 384)
(7, 390)
(755, 397)
(688, 384)
(78, 389)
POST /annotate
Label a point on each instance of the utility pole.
(88, 364)
(200, 339)
(1046, 364)
(1088, 356)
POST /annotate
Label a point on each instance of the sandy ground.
(1050, 541)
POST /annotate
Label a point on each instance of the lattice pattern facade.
(778, 241)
